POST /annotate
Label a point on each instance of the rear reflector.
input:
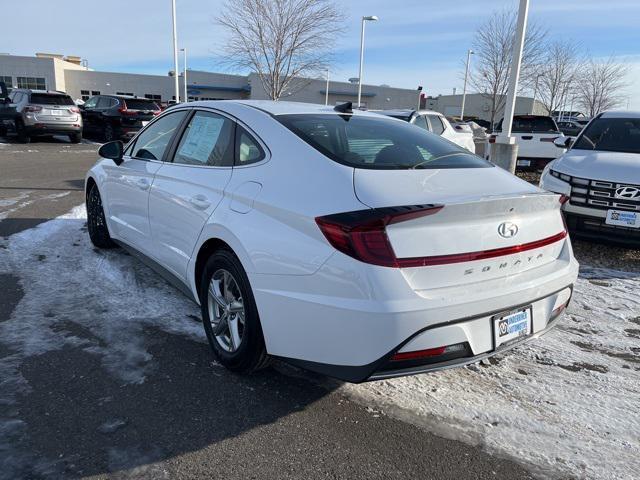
(428, 353)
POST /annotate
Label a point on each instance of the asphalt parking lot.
(104, 370)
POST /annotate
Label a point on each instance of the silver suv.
(44, 112)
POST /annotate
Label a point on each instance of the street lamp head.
(471, 52)
(370, 18)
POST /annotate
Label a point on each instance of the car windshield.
(139, 104)
(378, 142)
(611, 135)
(51, 99)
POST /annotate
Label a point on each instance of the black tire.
(23, 136)
(75, 137)
(96, 223)
(108, 134)
(251, 355)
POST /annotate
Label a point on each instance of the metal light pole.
(326, 93)
(175, 50)
(370, 18)
(184, 76)
(464, 90)
(419, 96)
(505, 150)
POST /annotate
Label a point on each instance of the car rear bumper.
(532, 163)
(350, 329)
(53, 128)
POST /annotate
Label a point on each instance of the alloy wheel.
(226, 310)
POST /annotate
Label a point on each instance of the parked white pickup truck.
(436, 123)
(535, 135)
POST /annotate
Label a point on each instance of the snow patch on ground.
(567, 404)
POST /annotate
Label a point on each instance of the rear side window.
(50, 99)
(104, 102)
(248, 150)
(140, 104)
(437, 126)
(152, 142)
(421, 122)
(378, 142)
(207, 140)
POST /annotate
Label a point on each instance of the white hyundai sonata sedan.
(344, 242)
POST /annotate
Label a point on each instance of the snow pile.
(567, 404)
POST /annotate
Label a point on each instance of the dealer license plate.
(621, 218)
(512, 326)
(524, 163)
(56, 113)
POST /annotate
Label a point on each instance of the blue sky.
(415, 42)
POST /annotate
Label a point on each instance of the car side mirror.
(112, 150)
(563, 142)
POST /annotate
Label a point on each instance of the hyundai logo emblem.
(508, 229)
(628, 193)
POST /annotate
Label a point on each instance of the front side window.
(207, 140)
(377, 142)
(248, 150)
(611, 135)
(152, 142)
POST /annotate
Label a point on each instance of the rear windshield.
(611, 135)
(532, 125)
(140, 104)
(378, 142)
(51, 99)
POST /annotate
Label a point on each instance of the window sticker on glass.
(202, 136)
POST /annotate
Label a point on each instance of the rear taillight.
(32, 108)
(362, 234)
(156, 112)
(74, 110)
(125, 111)
(492, 139)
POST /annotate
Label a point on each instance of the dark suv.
(113, 117)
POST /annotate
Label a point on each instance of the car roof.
(275, 108)
(621, 114)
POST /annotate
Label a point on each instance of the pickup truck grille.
(599, 194)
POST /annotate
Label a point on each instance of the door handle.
(527, 137)
(143, 184)
(200, 202)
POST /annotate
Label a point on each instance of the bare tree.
(493, 46)
(600, 86)
(281, 40)
(556, 78)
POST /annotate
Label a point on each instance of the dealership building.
(71, 75)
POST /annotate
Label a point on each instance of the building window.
(125, 93)
(8, 81)
(152, 96)
(95, 92)
(32, 83)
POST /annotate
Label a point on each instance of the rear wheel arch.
(207, 249)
